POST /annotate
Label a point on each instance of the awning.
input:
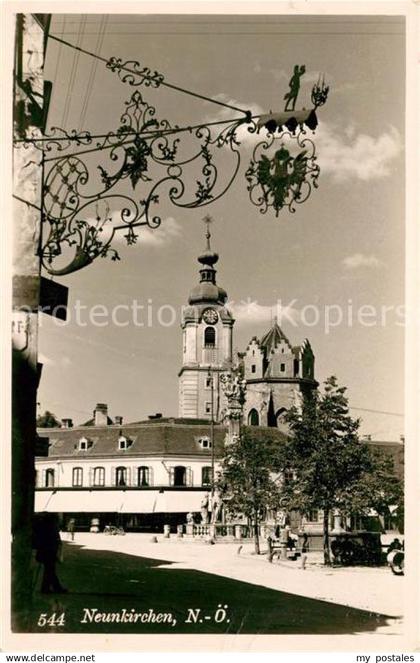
(83, 501)
(138, 501)
(172, 501)
(118, 501)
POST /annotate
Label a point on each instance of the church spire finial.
(208, 220)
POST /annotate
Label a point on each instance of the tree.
(47, 420)
(247, 479)
(331, 467)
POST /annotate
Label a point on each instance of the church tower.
(207, 342)
(278, 375)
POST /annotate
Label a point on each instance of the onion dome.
(207, 291)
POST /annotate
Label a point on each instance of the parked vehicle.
(357, 548)
(395, 560)
(113, 530)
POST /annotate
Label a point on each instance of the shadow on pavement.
(114, 586)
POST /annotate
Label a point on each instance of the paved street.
(130, 576)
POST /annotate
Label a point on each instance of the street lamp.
(210, 378)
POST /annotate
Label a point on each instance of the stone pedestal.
(337, 527)
(238, 532)
(166, 531)
(189, 529)
(179, 531)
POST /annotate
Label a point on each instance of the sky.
(342, 250)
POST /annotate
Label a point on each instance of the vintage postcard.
(212, 442)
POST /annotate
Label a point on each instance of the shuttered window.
(143, 476)
(121, 476)
(49, 478)
(99, 476)
(206, 475)
(77, 479)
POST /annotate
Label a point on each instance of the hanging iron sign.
(85, 203)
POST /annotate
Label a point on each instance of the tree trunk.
(327, 558)
(256, 533)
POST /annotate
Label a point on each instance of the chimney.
(367, 438)
(67, 423)
(100, 414)
(402, 438)
(118, 420)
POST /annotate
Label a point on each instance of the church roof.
(207, 291)
(273, 337)
(152, 438)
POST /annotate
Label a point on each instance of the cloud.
(360, 260)
(341, 153)
(168, 230)
(349, 154)
(251, 312)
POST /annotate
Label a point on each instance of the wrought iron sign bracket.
(85, 203)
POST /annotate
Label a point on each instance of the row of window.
(121, 476)
(254, 368)
(123, 443)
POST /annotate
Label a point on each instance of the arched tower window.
(209, 337)
(253, 418)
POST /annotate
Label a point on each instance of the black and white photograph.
(210, 229)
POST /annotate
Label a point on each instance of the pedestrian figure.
(70, 528)
(294, 85)
(47, 543)
(305, 544)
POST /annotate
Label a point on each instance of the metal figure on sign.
(294, 85)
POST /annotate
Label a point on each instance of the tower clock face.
(210, 316)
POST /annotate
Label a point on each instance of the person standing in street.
(70, 528)
(47, 543)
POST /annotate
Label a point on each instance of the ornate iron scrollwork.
(82, 207)
(137, 74)
(282, 179)
(86, 203)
